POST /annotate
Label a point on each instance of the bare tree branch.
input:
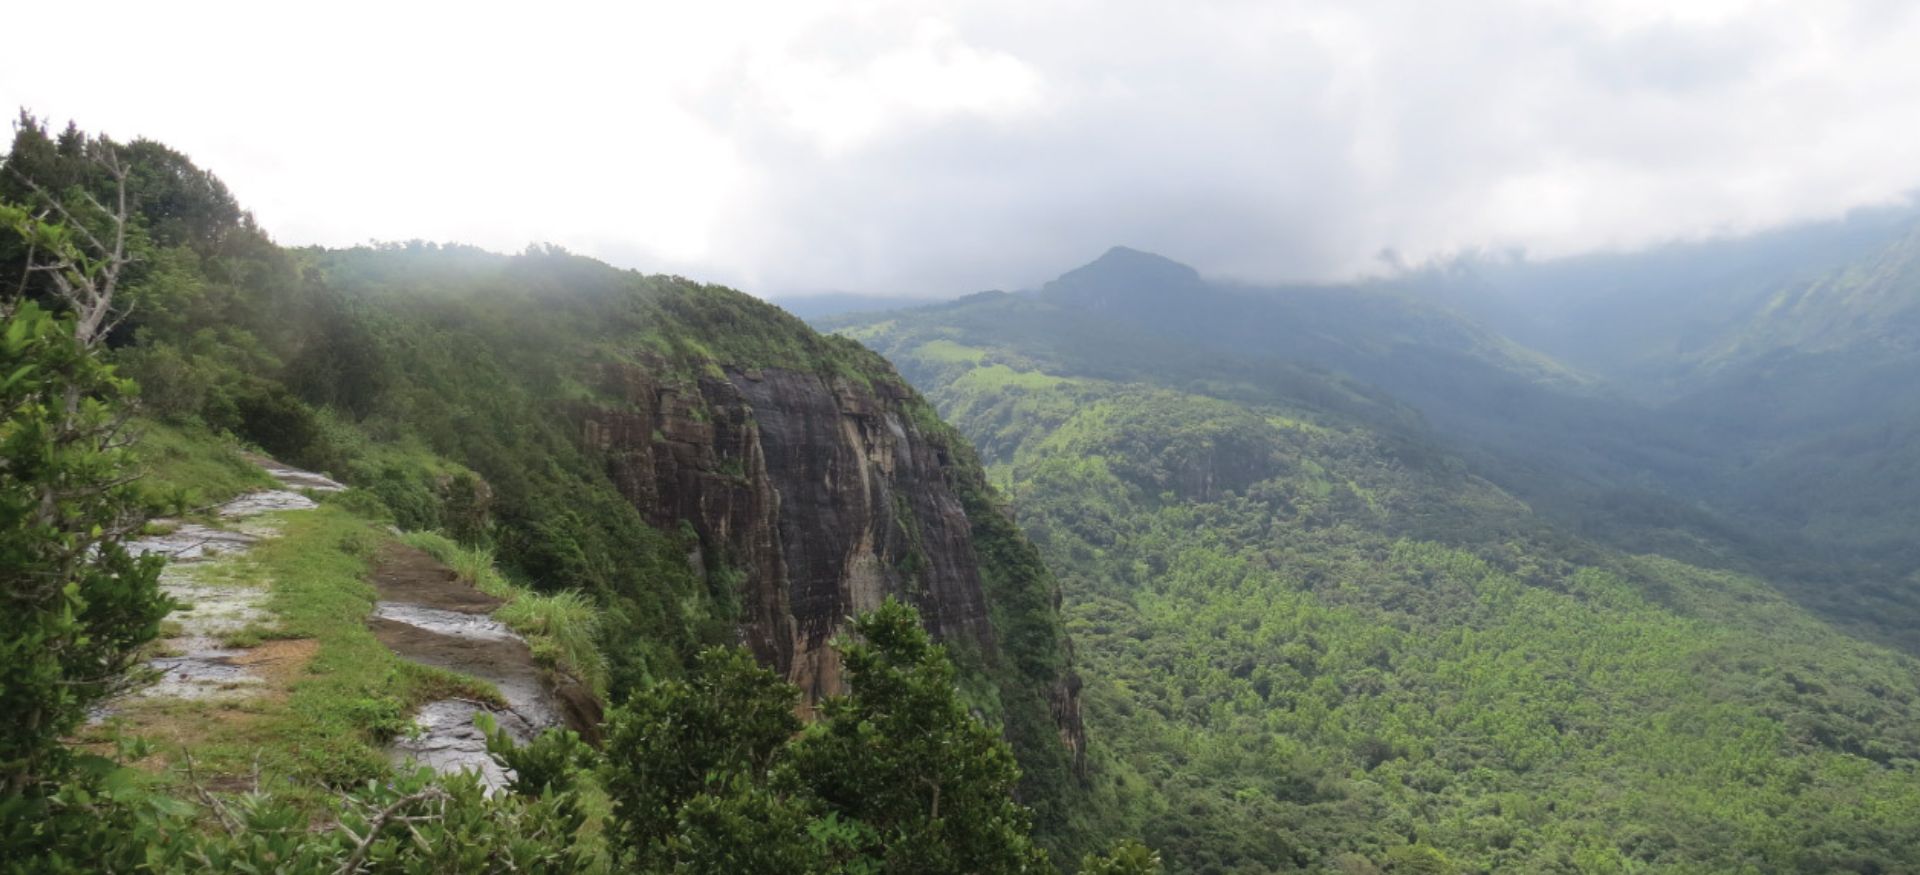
(87, 274)
(390, 815)
(218, 808)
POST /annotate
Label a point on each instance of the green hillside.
(552, 432)
(1315, 639)
(1777, 369)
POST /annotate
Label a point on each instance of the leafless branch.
(391, 814)
(87, 281)
(218, 808)
(26, 272)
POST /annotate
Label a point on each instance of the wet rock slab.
(453, 624)
(198, 665)
(447, 741)
(430, 616)
(294, 478)
(445, 737)
(265, 501)
(191, 542)
(206, 672)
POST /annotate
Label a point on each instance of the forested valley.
(1359, 582)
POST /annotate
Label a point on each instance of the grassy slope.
(1306, 641)
(333, 696)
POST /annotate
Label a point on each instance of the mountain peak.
(1122, 260)
(1125, 274)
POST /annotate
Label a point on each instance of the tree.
(715, 774)
(902, 755)
(81, 250)
(707, 734)
(1130, 858)
(77, 607)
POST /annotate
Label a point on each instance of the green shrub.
(78, 606)
(549, 764)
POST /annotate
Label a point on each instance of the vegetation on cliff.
(1315, 639)
(448, 387)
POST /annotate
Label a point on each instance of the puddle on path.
(429, 616)
(453, 624)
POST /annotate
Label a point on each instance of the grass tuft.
(561, 628)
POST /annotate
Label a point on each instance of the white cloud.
(842, 103)
(948, 146)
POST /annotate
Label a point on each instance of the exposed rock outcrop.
(821, 495)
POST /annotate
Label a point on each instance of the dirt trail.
(430, 616)
(195, 661)
(425, 613)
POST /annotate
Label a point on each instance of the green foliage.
(684, 738)
(550, 764)
(109, 820)
(1130, 858)
(714, 774)
(902, 755)
(78, 606)
(184, 472)
(1316, 641)
(562, 628)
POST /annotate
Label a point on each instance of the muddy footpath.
(424, 613)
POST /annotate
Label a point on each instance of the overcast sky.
(939, 148)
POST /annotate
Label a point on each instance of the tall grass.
(186, 468)
(561, 628)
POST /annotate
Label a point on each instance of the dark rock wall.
(821, 494)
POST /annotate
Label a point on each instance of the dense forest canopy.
(1361, 584)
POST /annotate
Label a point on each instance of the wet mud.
(428, 615)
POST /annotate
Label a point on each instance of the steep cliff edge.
(815, 498)
(702, 465)
(824, 497)
(691, 465)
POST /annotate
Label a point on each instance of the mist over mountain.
(1213, 465)
(827, 305)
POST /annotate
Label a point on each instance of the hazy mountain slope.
(1312, 643)
(699, 465)
(1352, 330)
(836, 304)
(1868, 306)
(1404, 367)
(1785, 363)
(1769, 468)
(1643, 318)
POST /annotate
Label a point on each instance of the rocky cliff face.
(820, 496)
